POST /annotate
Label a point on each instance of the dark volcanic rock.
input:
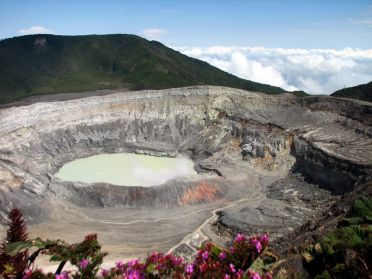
(291, 202)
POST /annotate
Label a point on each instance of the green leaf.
(151, 268)
(307, 257)
(258, 265)
(363, 207)
(215, 251)
(8, 269)
(318, 248)
(353, 220)
(55, 258)
(42, 244)
(14, 248)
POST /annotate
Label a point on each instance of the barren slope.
(246, 146)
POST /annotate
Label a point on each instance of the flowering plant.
(213, 262)
(210, 260)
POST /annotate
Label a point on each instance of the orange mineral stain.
(202, 192)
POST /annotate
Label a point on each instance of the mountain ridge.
(360, 92)
(42, 64)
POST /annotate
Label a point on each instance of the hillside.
(39, 64)
(359, 92)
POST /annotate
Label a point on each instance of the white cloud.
(367, 22)
(316, 71)
(34, 30)
(153, 33)
(147, 176)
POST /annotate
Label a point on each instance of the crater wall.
(327, 140)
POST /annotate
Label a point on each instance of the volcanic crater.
(265, 163)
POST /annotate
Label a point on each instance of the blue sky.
(287, 24)
(316, 45)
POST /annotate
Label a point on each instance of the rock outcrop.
(242, 142)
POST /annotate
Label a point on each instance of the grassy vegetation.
(300, 93)
(39, 64)
(347, 251)
(360, 92)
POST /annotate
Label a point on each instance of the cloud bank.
(316, 71)
(34, 30)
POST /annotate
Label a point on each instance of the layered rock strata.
(243, 144)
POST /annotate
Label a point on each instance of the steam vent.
(264, 163)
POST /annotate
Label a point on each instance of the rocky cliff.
(243, 145)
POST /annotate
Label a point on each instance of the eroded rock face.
(241, 142)
(330, 148)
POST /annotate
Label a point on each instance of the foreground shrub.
(86, 256)
(13, 266)
(210, 261)
(344, 253)
(347, 251)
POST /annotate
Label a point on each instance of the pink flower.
(120, 265)
(189, 268)
(240, 237)
(205, 255)
(240, 273)
(232, 268)
(176, 260)
(63, 275)
(256, 243)
(133, 262)
(27, 273)
(134, 275)
(222, 256)
(84, 263)
(203, 267)
(253, 275)
(264, 238)
(104, 272)
(227, 276)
